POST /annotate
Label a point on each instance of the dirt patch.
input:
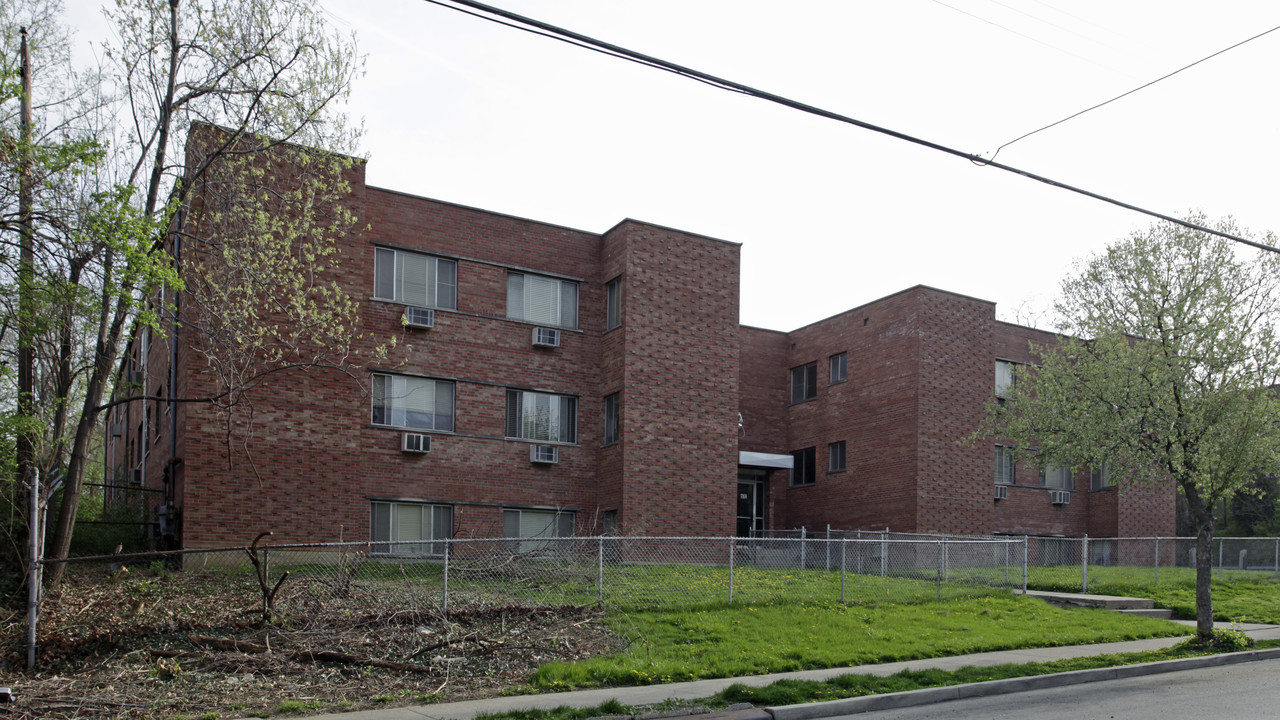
(195, 646)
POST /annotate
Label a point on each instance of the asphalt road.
(1239, 692)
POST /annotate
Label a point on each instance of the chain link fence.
(468, 575)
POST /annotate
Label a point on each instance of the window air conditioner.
(546, 337)
(419, 317)
(135, 476)
(1002, 492)
(136, 377)
(415, 443)
(544, 454)
(1059, 497)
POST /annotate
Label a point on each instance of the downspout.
(171, 467)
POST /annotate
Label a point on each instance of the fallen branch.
(305, 656)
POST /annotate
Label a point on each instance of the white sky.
(831, 216)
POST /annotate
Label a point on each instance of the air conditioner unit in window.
(135, 476)
(136, 377)
(544, 454)
(116, 429)
(546, 337)
(415, 443)
(1002, 492)
(419, 317)
(1059, 497)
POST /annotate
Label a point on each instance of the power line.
(1140, 87)
(538, 27)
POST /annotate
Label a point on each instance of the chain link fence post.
(1024, 564)
(1084, 564)
(938, 569)
(884, 553)
(444, 585)
(732, 544)
(844, 543)
(1157, 581)
(600, 573)
(1220, 559)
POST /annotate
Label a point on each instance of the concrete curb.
(912, 698)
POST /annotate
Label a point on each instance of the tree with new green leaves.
(271, 75)
(1165, 369)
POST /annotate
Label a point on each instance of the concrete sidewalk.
(654, 694)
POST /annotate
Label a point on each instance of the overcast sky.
(831, 216)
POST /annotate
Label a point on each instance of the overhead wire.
(1126, 94)
(537, 27)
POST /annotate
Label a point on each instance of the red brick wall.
(681, 382)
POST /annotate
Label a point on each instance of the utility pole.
(27, 473)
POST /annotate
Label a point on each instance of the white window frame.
(559, 426)
(439, 280)
(391, 409)
(542, 300)
(391, 525)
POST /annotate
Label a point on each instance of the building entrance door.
(750, 506)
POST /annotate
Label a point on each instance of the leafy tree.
(1164, 369)
(268, 73)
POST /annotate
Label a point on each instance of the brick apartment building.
(575, 382)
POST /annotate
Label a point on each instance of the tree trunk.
(1204, 579)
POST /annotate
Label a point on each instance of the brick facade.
(694, 389)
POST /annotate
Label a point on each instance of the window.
(802, 470)
(415, 279)
(1100, 477)
(835, 457)
(394, 528)
(839, 368)
(611, 419)
(1055, 477)
(412, 402)
(542, 300)
(1004, 465)
(1004, 379)
(804, 383)
(613, 304)
(609, 523)
(542, 416)
(542, 524)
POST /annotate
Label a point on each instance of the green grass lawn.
(747, 639)
(1240, 596)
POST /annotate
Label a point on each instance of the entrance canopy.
(766, 460)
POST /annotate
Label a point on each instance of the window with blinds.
(413, 402)
(415, 279)
(1004, 465)
(542, 416)
(540, 527)
(1004, 379)
(1055, 477)
(542, 300)
(398, 528)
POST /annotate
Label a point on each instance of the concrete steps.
(1143, 607)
